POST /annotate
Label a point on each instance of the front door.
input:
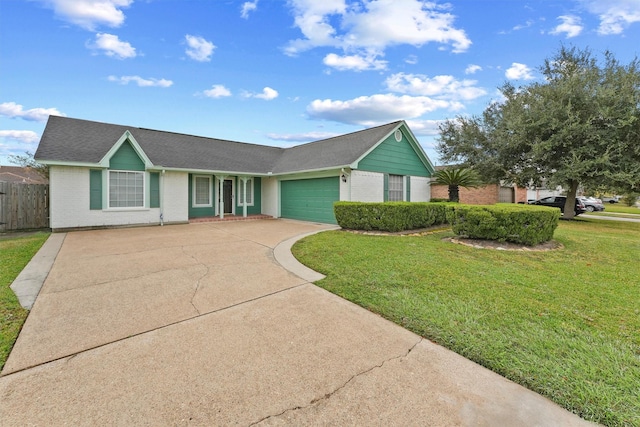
(227, 196)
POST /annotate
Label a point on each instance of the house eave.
(69, 163)
(324, 169)
(160, 168)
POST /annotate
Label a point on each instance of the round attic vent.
(398, 135)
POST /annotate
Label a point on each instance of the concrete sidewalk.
(201, 325)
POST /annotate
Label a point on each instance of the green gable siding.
(95, 189)
(154, 190)
(126, 158)
(397, 158)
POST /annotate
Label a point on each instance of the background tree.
(26, 160)
(581, 125)
(455, 178)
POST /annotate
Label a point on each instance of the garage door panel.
(310, 199)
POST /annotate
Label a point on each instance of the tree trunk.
(454, 193)
(570, 203)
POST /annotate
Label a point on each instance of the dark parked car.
(559, 201)
(591, 204)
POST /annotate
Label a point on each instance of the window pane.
(126, 189)
(203, 191)
(396, 190)
(249, 192)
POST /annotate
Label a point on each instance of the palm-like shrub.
(455, 178)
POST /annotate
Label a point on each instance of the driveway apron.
(199, 324)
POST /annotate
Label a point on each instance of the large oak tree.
(580, 125)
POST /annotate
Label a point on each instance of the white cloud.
(472, 69)
(374, 25)
(301, 137)
(151, 82)
(518, 71)
(217, 91)
(89, 14)
(354, 62)
(519, 27)
(21, 136)
(425, 127)
(312, 18)
(248, 6)
(571, 26)
(267, 94)
(112, 46)
(411, 59)
(615, 15)
(13, 111)
(376, 109)
(199, 49)
(442, 87)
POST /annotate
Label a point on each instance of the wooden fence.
(23, 206)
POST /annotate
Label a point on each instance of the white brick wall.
(69, 201)
(270, 196)
(174, 196)
(367, 186)
(420, 189)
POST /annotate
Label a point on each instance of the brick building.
(487, 195)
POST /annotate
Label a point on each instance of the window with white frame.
(202, 191)
(126, 189)
(249, 192)
(396, 188)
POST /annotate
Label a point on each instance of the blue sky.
(279, 72)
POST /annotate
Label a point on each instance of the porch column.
(244, 195)
(221, 179)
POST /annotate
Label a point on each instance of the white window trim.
(126, 208)
(241, 188)
(193, 192)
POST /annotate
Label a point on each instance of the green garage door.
(310, 199)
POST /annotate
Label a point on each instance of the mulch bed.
(474, 243)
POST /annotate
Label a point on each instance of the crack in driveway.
(197, 287)
(328, 395)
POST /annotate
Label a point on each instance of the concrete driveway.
(200, 324)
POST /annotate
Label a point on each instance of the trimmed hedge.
(389, 216)
(529, 225)
(526, 224)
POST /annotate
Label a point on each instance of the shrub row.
(529, 225)
(525, 224)
(389, 216)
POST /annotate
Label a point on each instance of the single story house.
(21, 175)
(104, 175)
(487, 194)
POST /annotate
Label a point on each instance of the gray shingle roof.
(81, 141)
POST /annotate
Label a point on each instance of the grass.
(619, 211)
(564, 323)
(15, 254)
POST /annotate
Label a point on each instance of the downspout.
(162, 198)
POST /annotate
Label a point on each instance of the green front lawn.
(564, 323)
(15, 254)
(618, 210)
